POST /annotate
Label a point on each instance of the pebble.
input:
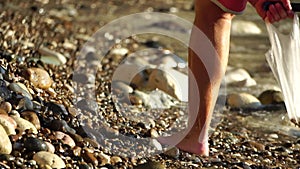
(115, 159)
(271, 97)
(66, 139)
(122, 87)
(6, 107)
(156, 144)
(35, 144)
(25, 104)
(89, 158)
(242, 100)
(119, 51)
(173, 152)
(105, 159)
(46, 159)
(50, 147)
(20, 88)
(5, 144)
(52, 57)
(150, 165)
(170, 81)
(61, 125)
(258, 146)
(32, 117)
(39, 78)
(8, 124)
(4, 92)
(23, 125)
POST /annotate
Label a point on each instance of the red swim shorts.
(231, 6)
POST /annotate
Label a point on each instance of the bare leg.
(215, 24)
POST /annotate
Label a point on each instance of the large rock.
(46, 159)
(5, 144)
(271, 97)
(242, 100)
(238, 77)
(170, 81)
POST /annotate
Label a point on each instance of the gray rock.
(34, 144)
(20, 88)
(46, 159)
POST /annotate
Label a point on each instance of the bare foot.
(188, 143)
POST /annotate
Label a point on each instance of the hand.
(280, 9)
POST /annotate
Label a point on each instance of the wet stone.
(115, 159)
(84, 166)
(45, 159)
(58, 109)
(271, 97)
(6, 157)
(243, 100)
(39, 77)
(35, 144)
(25, 104)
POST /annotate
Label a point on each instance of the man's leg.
(215, 24)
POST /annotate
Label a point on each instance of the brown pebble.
(72, 111)
(8, 124)
(65, 138)
(39, 78)
(3, 111)
(258, 146)
(6, 106)
(90, 158)
(32, 118)
(77, 151)
(93, 143)
(115, 159)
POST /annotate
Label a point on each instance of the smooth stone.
(242, 100)
(4, 92)
(20, 88)
(61, 125)
(258, 146)
(150, 165)
(119, 51)
(6, 157)
(39, 78)
(122, 87)
(238, 77)
(240, 27)
(45, 159)
(152, 133)
(23, 125)
(84, 166)
(135, 100)
(56, 108)
(131, 74)
(35, 144)
(6, 106)
(32, 117)
(25, 104)
(65, 138)
(158, 99)
(3, 112)
(156, 144)
(52, 57)
(271, 97)
(105, 159)
(8, 124)
(173, 152)
(90, 158)
(50, 147)
(5, 144)
(170, 81)
(115, 159)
